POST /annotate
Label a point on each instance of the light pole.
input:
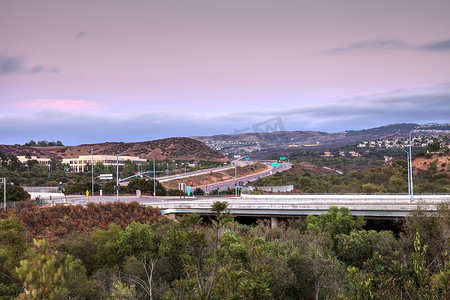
(117, 175)
(92, 171)
(407, 164)
(154, 180)
(410, 155)
(60, 191)
(4, 192)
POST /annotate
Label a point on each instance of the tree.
(107, 246)
(41, 278)
(144, 185)
(370, 188)
(14, 193)
(139, 241)
(434, 147)
(336, 221)
(13, 248)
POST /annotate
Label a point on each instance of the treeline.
(329, 256)
(386, 179)
(43, 144)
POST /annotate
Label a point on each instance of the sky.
(107, 70)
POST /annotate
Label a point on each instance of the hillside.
(313, 138)
(423, 162)
(170, 148)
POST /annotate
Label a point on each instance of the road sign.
(282, 158)
(181, 186)
(275, 164)
(247, 158)
(106, 176)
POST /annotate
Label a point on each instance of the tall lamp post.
(407, 164)
(154, 180)
(410, 156)
(92, 170)
(4, 192)
(117, 175)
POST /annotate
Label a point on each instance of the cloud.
(65, 105)
(374, 45)
(415, 106)
(81, 35)
(41, 69)
(81, 121)
(10, 64)
(437, 46)
(16, 64)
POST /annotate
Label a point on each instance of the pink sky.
(182, 68)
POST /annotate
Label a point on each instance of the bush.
(14, 193)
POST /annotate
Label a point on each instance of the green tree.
(336, 221)
(434, 147)
(13, 248)
(14, 193)
(144, 185)
(41, 278)
(107, 254)
(370, 188)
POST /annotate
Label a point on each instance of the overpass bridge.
(286, 206)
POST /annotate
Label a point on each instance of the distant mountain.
(261, 145)
(310, 138)
(171, 148)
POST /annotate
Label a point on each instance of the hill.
(262, 144)
(171, 148)
(313, 138)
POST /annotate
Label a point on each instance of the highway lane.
(201, 172)
(224, 185)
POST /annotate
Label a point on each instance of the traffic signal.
(210, 172)
(191, 183)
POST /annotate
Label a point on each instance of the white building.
(41, 160)
(78, 164)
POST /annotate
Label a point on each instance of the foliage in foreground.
(324, 257)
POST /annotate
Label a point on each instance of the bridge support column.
(172, 216)
(274, 221)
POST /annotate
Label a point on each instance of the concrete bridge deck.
(377, 206)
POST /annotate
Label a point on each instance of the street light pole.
(154, 180)
(92, 171)
(235, 179)
(410, 157)
(407, 164)
(4, 193)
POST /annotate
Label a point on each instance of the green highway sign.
(247, 158)
(282, 158)
(275, 164)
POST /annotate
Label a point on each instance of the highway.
(224, 185)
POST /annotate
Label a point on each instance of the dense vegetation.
(382, 179)
(329, 256)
